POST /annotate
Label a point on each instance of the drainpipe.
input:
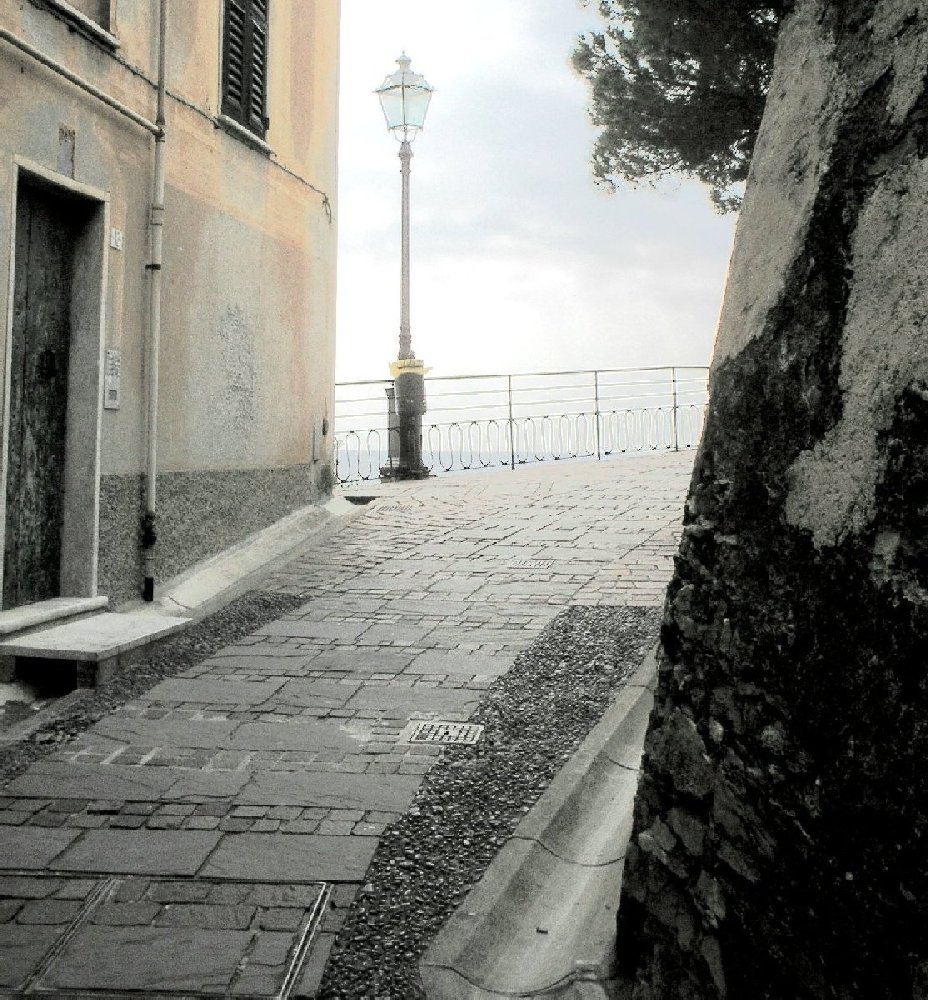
(156, 231)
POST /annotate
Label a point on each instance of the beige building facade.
(168, 360)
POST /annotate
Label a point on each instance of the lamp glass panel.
(417, 103)
(392, 103)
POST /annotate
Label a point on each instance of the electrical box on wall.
(111, 379)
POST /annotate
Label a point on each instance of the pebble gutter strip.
(474, 797)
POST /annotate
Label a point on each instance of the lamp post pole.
(404, 97)
(405, 332)
(408, 381)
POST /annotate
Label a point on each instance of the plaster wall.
(247, 339)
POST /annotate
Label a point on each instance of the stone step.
(30, 616)
(95, 638)
(90, 650)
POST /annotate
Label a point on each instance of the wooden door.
(46, 232)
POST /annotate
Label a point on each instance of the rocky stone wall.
(779, 848)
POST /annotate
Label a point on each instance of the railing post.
(512, 434)
(637, 424)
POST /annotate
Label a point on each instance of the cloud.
(518, 261)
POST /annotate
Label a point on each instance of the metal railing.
(491, 421)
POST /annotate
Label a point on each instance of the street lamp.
(404, 97)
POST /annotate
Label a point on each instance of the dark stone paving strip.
(473, 797)
(32, 847)
(173, 656)
(215, 814)
(53, 779)
(294, 859)
(388, 793)
(175, 937)
(142, 852)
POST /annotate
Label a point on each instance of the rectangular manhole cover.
(443, 733)
(530, 564)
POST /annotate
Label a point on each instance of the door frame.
(80, 539)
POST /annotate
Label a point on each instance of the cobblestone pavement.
(207, 837)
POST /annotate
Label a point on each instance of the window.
(244, 63)
(97, 11)
(91, 18)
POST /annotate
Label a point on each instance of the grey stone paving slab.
(148, 959)
(262, 659)
(517, 638)
(192, 733)
(254, 655)
(387, 586)
(291, 857)
(380, 792)
(395, 634)
(446, 661)
(22, 947)
(294, 736)
(347, 603)
(139, 852)
(59, 780)
(428, 606)
(499, 612)
(213, 692)
(448, 549)
(524, 588)
(586, 559)
(192, 786)
(303, 628)
(369, 659)
(458, 584)
(33, 847)
(28, 886)
(316, 693)
(398, 702)
(504, 552)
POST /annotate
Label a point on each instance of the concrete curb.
(541, 921)
(214, 582)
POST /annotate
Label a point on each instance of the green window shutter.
(257, 119)
(244, 63)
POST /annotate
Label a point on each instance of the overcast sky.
(519, 262)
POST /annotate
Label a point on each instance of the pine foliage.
(678, 87)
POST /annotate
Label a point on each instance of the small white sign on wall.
(116, 239)
(111, 380)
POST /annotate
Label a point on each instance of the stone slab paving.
(132, 857)
(154, 935)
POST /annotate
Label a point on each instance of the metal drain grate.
(531, 564)
(443, 733)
